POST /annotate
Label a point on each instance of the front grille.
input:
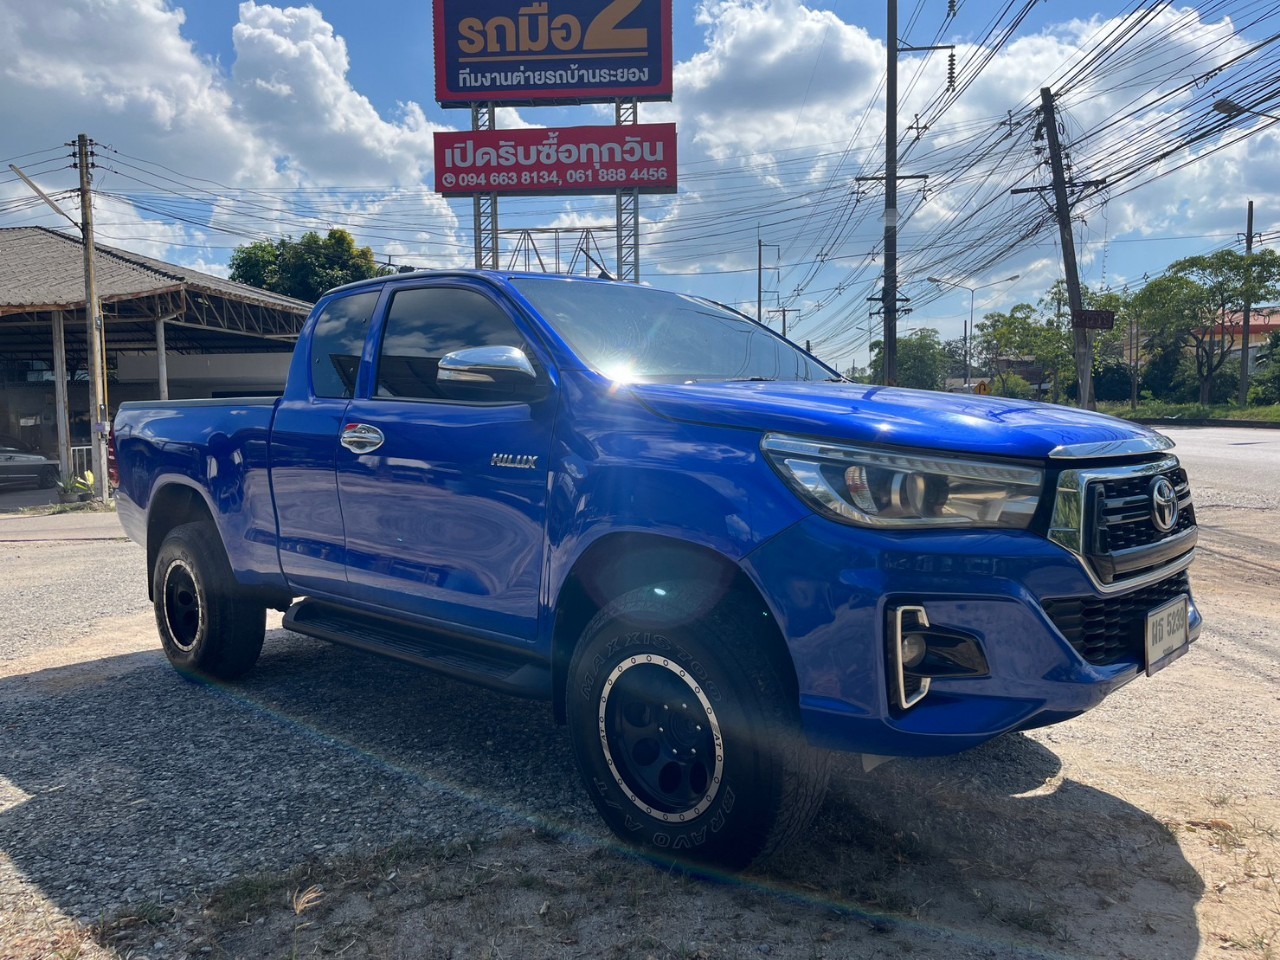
(1111, 629)
(1122, 517)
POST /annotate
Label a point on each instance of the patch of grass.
(1160, 410)
(254, 892)
(1262, 942)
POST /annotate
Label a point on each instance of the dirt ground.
(1148, 828)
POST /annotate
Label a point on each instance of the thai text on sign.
(554, 51)
(560, 160)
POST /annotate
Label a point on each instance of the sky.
(220, 123)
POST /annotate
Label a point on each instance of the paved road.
(11, 501)
(1231, 466)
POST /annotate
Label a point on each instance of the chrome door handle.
(361, 438)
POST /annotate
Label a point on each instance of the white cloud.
(287, 116)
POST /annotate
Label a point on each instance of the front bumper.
(833, 587)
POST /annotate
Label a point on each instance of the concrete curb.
(1187, 422)
(60, 526)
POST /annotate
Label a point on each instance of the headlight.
(884, 488)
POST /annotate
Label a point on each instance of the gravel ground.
(37, 580)
(338, 803)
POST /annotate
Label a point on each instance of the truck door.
(443, 485)
(304, 441)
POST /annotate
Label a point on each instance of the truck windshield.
(634, 333)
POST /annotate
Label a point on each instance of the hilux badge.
(1164, 504)
(518, 461)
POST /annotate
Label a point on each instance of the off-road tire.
(208, 626)
(686, 735)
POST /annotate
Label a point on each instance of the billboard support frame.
(627, 113)
(485, 205)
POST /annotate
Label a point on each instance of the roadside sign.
(560, 160)
(1093, 319)
(515, 53)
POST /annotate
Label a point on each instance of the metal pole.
(93, 320)
(967, 328)
(1248, 295)
(759, 278)
(60, 392)
(890, 348)
(1133, 362)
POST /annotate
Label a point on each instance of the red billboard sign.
(561, 160)
(515, 52)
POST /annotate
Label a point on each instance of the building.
(168, 331)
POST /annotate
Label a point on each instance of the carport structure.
(148, 307)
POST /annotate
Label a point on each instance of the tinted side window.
(425, 324)
(337, 342)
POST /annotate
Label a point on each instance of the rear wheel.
(48, 478)
(685, 736)
(208, 626)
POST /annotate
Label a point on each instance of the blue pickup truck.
(717, 559)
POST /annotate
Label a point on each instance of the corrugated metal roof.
(41, 269)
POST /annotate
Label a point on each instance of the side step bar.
(513, 672)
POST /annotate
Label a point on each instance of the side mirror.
(486, 365)
(487, 373)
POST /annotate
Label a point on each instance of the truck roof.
(493, 276)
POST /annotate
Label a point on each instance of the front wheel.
(685, 735)
(208, 626)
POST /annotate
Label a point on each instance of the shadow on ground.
(125, 785)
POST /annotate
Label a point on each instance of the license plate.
(1166, 633)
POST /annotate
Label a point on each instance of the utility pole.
(760, 245)
(1133, 361)
(1083, 346)
(890, 292)
(784, 311)
(1248, 296)
(890, 348)
(98, 418)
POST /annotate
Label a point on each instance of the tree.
(1214, 287)
(1015, 387)
(954, 350)
(1004, 337)
(1265, 389)
(1115, 360)
(1166, 310)
(304, 268)
(922, 361)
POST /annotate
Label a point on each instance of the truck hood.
(862, 413)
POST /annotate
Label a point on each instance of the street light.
(969, 325)
(1231, 109)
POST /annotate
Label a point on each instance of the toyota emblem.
(1164, 504)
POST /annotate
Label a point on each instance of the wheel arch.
(171, 505)
(621, 562)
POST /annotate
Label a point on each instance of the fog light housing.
(907, 649)
(920, 652)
